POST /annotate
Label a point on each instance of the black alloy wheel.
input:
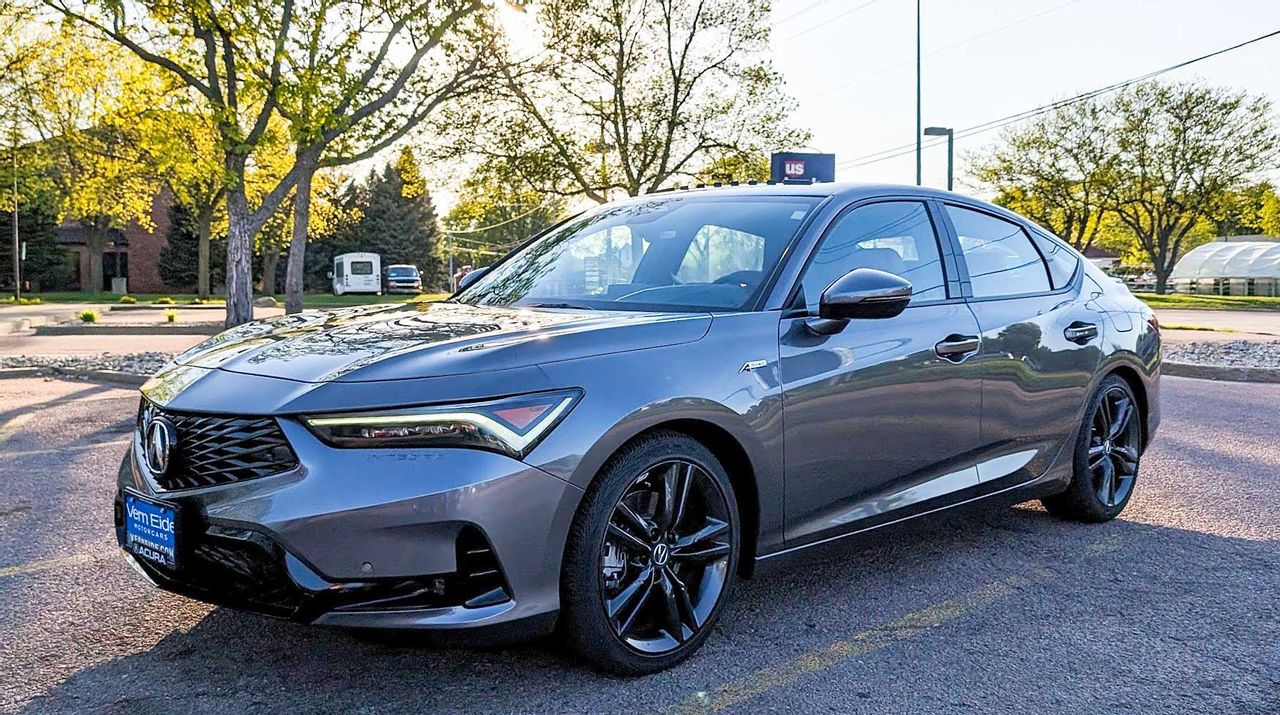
(665, 557)
(1108, 451)
(651, 557)
(1113, 447)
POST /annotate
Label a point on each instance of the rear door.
(876, 419)
(1041, 341)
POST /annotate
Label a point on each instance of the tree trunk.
(204, 229)
(95, 247)
(293, 279)
(239, 258)
(1162, 280)
(269, 260)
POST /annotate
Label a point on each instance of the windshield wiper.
(569, 306)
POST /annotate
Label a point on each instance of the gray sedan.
(604, 430)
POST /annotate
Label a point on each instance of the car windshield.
(402, 272)
(671, 253)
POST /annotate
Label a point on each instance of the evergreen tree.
(47, 266)
(179, 259)
(399, 220)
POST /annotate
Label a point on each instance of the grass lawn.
(311, 301)
(1210, 302)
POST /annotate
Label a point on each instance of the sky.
(850, 64)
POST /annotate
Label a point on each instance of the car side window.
(1001, 259)
(893, 236)
(1062, 261)
(716, 252)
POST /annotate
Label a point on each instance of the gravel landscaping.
(133, 363)
(1236, 353)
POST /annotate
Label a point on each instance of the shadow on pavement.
(1166, 610)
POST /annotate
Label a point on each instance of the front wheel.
(1108, 449)
(651, 557)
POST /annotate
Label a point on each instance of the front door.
(886, 413)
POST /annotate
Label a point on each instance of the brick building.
(134, 253)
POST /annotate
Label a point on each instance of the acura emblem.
(159, 440)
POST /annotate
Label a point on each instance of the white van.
(357, 273)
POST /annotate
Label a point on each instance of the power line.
(947, 48)
(802, 11)
(830, 20)
(904, 149)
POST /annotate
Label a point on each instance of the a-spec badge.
(753, 365)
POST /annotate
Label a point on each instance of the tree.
(1050, 169)
(311, 62)
(497, 211)
(1180, 150)
(628, 95)
(1269, 215)
(1242, 213)
(398, 220)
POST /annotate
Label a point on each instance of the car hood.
(415, 340)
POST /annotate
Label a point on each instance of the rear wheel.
(651, 556)
(1108, 450)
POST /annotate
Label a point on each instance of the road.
(1173, 608)
(1264, 322)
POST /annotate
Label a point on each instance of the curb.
(122, 378)
(1222, 373)
(157, 329)
(125, 307)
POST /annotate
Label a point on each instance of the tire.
(678, 591)
(1107, 457)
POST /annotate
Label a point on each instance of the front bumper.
(423, 539)
(404, 287)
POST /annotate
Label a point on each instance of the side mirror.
(471, 277)
(330, 275)
(863, 293)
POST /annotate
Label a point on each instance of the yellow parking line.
(820, 659)
(10, 428)
(49, 564)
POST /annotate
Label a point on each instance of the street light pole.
(17, 247)
(919, 124)
(950, 134)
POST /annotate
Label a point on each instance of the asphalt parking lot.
(1174, 608)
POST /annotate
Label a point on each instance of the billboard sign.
(802, 168)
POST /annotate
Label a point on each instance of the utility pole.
(453, 284)
(919, 124)
(17, 248)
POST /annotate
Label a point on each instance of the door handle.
(956, 347)
(1080, 332)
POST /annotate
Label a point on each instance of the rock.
(133, 363)
(265, 301)
(1235, 353)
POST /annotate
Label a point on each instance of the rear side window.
(362, 268)
(1001, 260)
(893, 236)
(1062, 261)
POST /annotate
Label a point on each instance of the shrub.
(88, 316)
(198, 301)
(164, 300)
(171, 316)
(128, 299)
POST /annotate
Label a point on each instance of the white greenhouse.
(1230, 268)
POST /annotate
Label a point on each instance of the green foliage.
(170, 316)
(1165, 165)
(128, 299)
(164, 300)
(495, 197)
(179, 257)
(88, 316)
(9, 300)
(48, 265)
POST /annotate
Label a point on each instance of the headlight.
(511, 425)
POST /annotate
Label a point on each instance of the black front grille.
(216, 449)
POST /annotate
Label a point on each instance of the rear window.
(1062, 260)
(362, 268)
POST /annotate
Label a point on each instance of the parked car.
(402, 278)
(357, 273)
(604, 430)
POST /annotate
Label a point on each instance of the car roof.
(842, 190)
